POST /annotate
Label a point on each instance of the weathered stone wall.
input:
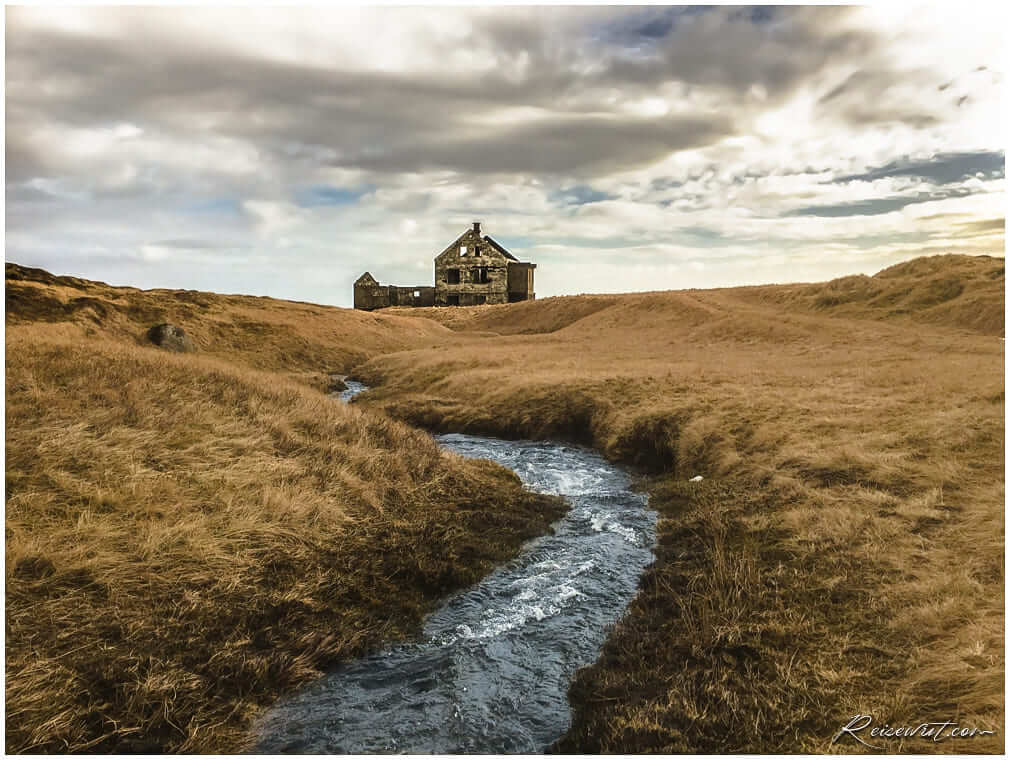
(372, 295)
(368, 296)
(520, 282)
(420, 295)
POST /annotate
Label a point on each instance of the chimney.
(476, 227)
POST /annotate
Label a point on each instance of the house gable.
(475, 247)
(366, 279)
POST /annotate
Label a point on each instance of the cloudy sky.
(284, 151)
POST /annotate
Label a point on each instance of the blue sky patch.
(757, 14)
(875, 206)
(941, 169)
(645, 26)
(514, 244)
(702, 234)
(212, 206)
(327, 195)
(580, 195)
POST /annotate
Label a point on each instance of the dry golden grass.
(955, 291)
(844, 553)
(187, 537)
(179, 527)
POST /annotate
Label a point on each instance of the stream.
(491, 671)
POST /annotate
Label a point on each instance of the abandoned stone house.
(472, 270)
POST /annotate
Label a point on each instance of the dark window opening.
(452, 276)
(480, 300)
(452, 300)
(476, 250)
(479, 274)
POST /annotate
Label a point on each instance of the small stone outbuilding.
(369, 294)
(472, 270)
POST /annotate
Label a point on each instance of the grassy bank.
(844, 552)
(190, 535)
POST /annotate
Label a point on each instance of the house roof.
(366, 279)
(500, 248)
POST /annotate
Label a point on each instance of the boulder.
(170, 337)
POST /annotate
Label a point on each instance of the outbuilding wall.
(520, 281)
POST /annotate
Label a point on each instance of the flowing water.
(353, 389)
(491, 671)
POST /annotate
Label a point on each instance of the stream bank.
(493, 667)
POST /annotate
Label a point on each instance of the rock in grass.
(336, 384)
(171, 338)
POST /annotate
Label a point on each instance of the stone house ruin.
(369, 294)
(475, 270)
(472, 270)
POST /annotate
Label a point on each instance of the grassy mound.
(523, 318)
(957, 291)
(962, 292)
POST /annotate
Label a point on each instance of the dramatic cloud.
(285, 151)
